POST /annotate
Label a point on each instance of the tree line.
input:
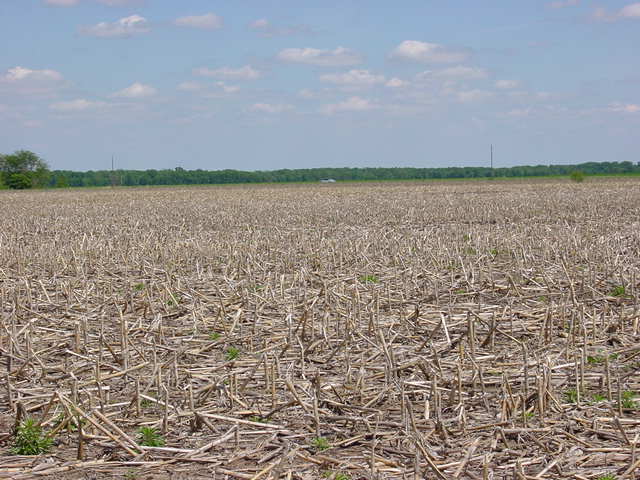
(25, 169)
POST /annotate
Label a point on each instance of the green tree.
(23, 169)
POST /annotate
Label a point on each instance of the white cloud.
(462, 72)
(62, 3)
(121, 3)
(136, 90)
(125, 27)
(267, 29)
(631, 11)
(29, 81)
(413, 50)
(243, 73)
(353, 104)
(20, 74)
(507, 84)
(519, 112)
(190, 86)
(260, 24)
(473, 95)
(340, 57)
(78, 105)
(208, 21)
(353, 77)
(624, 107)
(396, 83)
(228, 88)
(564, 3)
(270, 108)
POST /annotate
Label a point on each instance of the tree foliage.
(180, 176)
(23, 169)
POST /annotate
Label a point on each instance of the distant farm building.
(327, 180)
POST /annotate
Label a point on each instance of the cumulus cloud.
(353, 104)
(467, 96)
(396, 83)
(424, 52)
(243, 73)
(190, 86)
(624, 107)
(266, 29)
(125, 27)
(629, 12)
(227, 88)
(353, 78)
(564, 3)
(62, 3)
(507, 84)
(271, 108)
(21, 74)
(461, 72)
(208, 21)
(121, 3)
(24, 80)
(77, 105)
(340, 57)
(136, 90)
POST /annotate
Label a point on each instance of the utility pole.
(492, 161)
(113, 174)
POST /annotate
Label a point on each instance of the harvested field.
(367, 331)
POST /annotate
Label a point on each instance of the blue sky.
(266, 84)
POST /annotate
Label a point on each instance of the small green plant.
(571, 395)
(214, 336)
(336, 476)
(149, 437)
(628, 400)
(138, 287)
(369, 279)
(320, 444)
(494, 251)
(466, 237)
(608, 476)
(618, 291)
(460, 291)
(30, 439)
(529, 414)
(257, 419)
(231, 353)
(595, 359)
(577, 176)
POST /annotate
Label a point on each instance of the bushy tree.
(23, 169)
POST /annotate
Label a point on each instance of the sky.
(269, 84)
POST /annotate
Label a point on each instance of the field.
(350, 331)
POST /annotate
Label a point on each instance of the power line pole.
(492, 158)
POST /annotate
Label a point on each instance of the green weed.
(232, 353)
(369, 279)
(618, 291)
(571, 395)
(320, 444)
(30, 439)
(149, 437)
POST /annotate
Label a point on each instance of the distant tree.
(23, 169)
(577, 176)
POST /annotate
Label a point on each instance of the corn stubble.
(465, 358)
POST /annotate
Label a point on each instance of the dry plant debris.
(368, 331)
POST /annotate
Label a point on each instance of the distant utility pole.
(113, 174)
(492, 157)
